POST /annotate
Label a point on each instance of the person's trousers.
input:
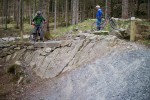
(98, 24)
(39, 29)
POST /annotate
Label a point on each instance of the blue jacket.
(99, 14)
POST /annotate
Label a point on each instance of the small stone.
(53, 44)
(47, 50)
(39, 45)
(77, 38)
(93, 37)
(20, 79)
(66, 43)
(75, 29)
(80, 31)
(18, 63)
(17, 48)
(30, 47)
(128, 47)
(87, 31)
(101, 32)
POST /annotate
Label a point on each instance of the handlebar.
(34, 24)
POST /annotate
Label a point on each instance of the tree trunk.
(55, 17)
(106, 9)
(132, 8)
(125, 9)
(21, 19)
(34, 9)
(30, 13)
(138, 7)
(41, 4)
(111, 9)
(3, 19)
(14, 10)
(80, 11)
(6, 12)
(45, 10)
(148, 9)
(84, 10)
(17, 14)
(75, 11)
(66, 13)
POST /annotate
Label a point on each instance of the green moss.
(146, 42)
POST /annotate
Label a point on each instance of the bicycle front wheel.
(94, 26)
(31, 37)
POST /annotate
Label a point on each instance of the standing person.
(99, 15)
(38, 21)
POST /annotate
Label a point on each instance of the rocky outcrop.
(100, 67)
(122, 74)
(52, 58)
(121, 33)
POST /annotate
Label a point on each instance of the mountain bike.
(103, 24)
(39, 33)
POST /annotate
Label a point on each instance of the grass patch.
(145, 42)
(60, 32)
(72, 29)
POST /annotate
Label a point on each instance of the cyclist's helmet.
(39, 13)
(97, 6)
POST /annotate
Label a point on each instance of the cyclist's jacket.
(99, 14)
(38, 20)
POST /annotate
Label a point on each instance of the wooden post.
(133, 29)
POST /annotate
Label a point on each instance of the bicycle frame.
(102, 24)
(105, 22)
(39, 32)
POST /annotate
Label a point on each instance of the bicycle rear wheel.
(31, 37)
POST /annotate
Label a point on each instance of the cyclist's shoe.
(41, 39)
(98, 28)
(39, 33)
(34, 33)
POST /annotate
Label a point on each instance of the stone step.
(101, 32)
(50, 44)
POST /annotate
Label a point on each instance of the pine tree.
(125, 8)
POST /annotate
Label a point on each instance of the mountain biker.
(37, 22)
(99, 15)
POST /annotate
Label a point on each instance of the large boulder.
(121, 33)
(121, 74)
(57, 57)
